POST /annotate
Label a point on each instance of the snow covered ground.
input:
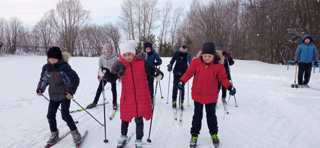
(271, 114)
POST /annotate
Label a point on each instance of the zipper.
(134, 87)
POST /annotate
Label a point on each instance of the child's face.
(129, 57)
(207, 58)
(52, 61)
(148, 49)
(307, 41)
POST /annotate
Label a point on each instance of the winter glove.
(68, 95)
(118, 69)
(180, 85)
(316, 63)
(232, 91)
(158, 74)
(39, 91)
(169, 67)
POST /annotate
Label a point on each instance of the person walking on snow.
(206, 75)
(135, 101)
(306, 54)
(63, 82)
(182, 60)
(153, 60)
(227, 61)
(107, 59)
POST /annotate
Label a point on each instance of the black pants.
(139, 128)
(176, 80)
(151, 89)
(113, 89)
(223, 89)
(304, 73)
(52, 111)
(211, 118)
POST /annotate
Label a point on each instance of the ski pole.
(150, 127)
(87, 112)
(104, 114)
(188, 93)
(169, 88)
(295, 85)
(155, 91)
(180, 105)
(160, 89)
(153, 105)
(235, 101)
(234, 96)
(46, 98)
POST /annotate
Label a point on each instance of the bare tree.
(165, 24)
(45, 30)
(67, 19)
(138, 18)
(13, 29)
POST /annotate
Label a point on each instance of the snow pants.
(139, 128)
(176, 80)
(211, 118)
(52, 111)
(113, 89)
(304, 73)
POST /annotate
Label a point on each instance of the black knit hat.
(54, 52)
(208, 48)
(147, 44)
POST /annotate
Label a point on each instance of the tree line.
(65, 26)
(266, 30)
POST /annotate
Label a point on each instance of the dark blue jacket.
(153, 59)
(60, 78)
(182, 60)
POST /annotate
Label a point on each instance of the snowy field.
(271, 114)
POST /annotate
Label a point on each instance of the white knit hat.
(128, 47)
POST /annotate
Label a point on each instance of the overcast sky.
(101, 11)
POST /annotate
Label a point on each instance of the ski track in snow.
(270, 113)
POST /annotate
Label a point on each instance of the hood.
(307, 36)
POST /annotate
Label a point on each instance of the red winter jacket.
(135, 97)
(205, 81)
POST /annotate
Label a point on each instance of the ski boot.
(76, 136)
(122, 141)
(92, 105)
(138, 143)
(215, 140)
(53, 138)
(193, 141)
(174, 104)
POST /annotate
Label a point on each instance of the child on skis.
(107, 59)
(306, 55)
(135, 102)
(153, 60)
(227, 60)
(182, 60)
(63, 82)
(205, 91)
